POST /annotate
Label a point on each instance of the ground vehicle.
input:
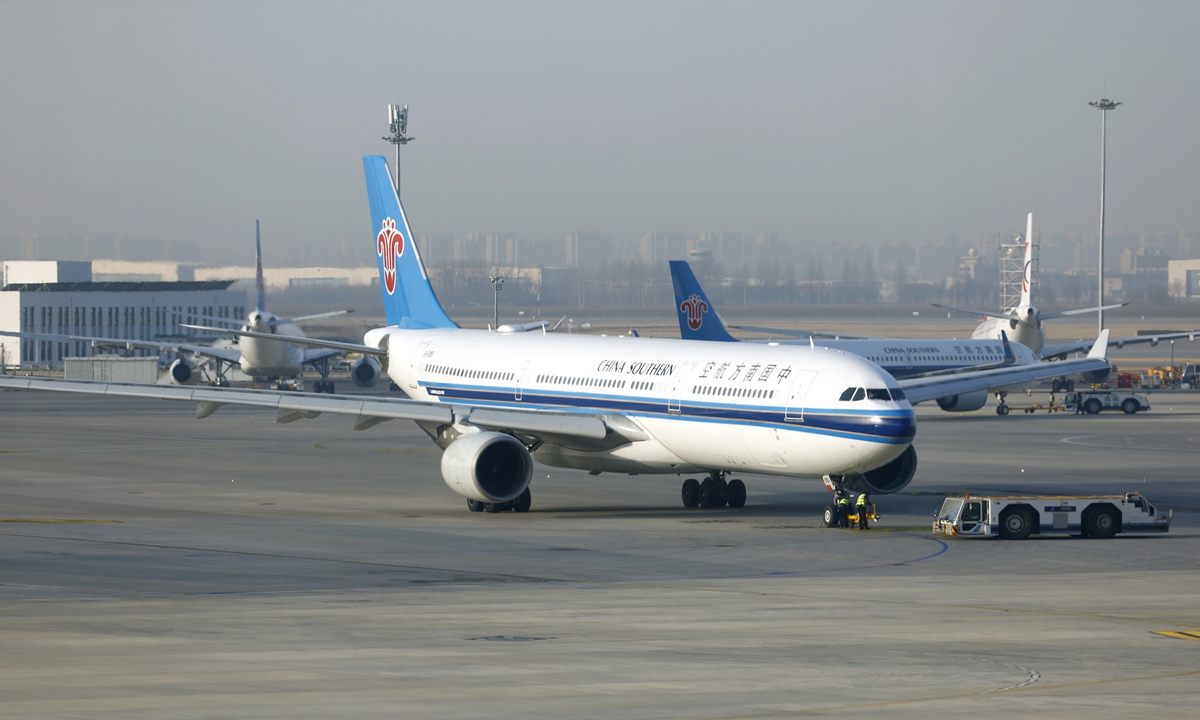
(1097, 400)
(1017, 517)
(1191, 375)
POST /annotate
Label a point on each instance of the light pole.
(398, 124)
(1103, 105)
(497, 286)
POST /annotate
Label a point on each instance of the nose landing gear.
(715, 491)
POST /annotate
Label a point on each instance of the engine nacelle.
(183, 372)
(890, 478)
(365, 372)
(965, 402)
(489, 467)
(1099, 376)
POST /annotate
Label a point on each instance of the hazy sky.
(855, 122)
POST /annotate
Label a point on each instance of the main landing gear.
(324, 385)
(520, 504)
(714, 492)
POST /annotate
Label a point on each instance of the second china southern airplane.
(495, 402)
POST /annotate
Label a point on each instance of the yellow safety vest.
(862, 501)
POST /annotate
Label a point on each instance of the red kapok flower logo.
(390, 247)
(695, 308)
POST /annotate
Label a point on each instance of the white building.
(1183, 279)
(60, 298)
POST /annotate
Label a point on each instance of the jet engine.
(965, 402)
(488, 467)
(890, 478)
(365, 371)
(183, 372)
(1099, 376)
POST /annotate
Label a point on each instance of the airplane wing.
(302, 318)
(932, 388)
(231, 355)
(802, 334)
(1079, 311)
(578, 428)
(1061, 351)
(319, 354)
(311, 342)
(1002, 316)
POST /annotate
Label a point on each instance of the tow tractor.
(1095, 401)
(1017, 517)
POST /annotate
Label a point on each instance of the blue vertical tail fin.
(260, 287)
(408, 298)
(698, 319)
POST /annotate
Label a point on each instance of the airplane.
(902, 358)
(255, 356)
(495, 402)
(1023, 322)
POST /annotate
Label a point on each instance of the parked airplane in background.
(257, 357)
(903, 358)
(497, 401)
(1023, 322)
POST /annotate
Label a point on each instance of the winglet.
(1099, 350)
(698, 319)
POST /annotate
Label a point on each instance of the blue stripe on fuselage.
(883, 426)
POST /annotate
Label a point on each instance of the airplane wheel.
(831, 518)
(709, 493)
(690, 493)
(523, 501)
(1001, 409)
(1070, 386)
(1055, 385)
(493, 507)
(475, 505)
(737, 494)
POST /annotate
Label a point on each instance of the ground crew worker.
(861, 508)
(843, 504)
(1051, 402)
(1079, 404)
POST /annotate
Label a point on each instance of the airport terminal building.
(60, 297)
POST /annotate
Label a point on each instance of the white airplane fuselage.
(270, 358)
(1024, 327)
(703, 406)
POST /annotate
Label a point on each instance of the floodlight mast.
(1103, 105)
(398, 124)
(497, 285)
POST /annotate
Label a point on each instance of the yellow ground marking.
(1179, 634)
(58, 521)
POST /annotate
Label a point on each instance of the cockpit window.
(859, 394)
(846, 395)
(878, 394)
(898, 394)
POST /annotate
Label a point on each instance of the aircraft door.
(675, 400)
(416, 362)
(518, 388)
(794, 410)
